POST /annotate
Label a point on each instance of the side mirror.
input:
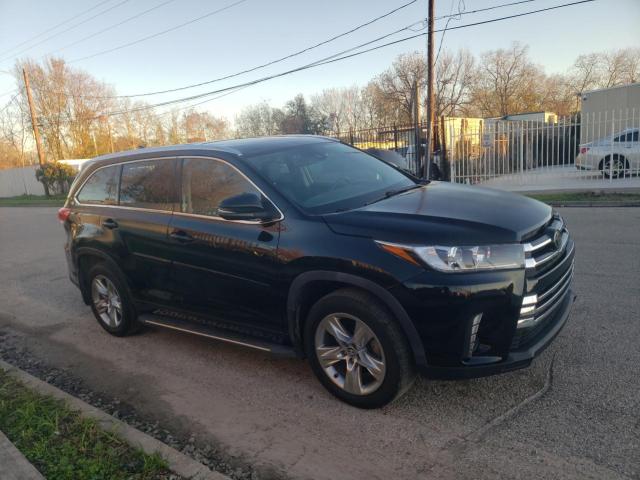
(245, 206)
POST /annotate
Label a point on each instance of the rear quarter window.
(101, 188)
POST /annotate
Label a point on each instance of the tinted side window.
(206, 183)
(627, 137)
(148, 184)
(102, 187)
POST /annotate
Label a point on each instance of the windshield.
(329, 176)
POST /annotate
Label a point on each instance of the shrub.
(56, 177)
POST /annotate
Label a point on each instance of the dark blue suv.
(302, 245)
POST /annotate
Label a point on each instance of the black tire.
(128, 323)
(399, 363)
(606, 169)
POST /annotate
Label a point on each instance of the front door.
(223, 269)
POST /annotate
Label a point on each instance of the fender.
(381, 293)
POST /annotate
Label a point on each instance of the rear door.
(134, 229)
(222, 268)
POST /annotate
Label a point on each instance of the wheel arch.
(86, 257)
(309, 287)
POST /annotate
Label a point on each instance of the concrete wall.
(20, 181)
(610, 110)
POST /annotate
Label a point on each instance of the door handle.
(181, 236)
(110, 223)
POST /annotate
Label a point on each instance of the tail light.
(584, 150)
(63, 214)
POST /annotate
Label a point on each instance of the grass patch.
(33, 201)
(63, 445)
(586, 197)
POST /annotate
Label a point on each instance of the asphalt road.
(572, 414)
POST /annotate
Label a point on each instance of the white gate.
(600, 150)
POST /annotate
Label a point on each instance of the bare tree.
(397, 84)
(454, 77)
(507, 82)
(257, 120)
(14, 135)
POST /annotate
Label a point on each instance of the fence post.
(444, 163)
(613, 134)
(521, 155)
(395, 137)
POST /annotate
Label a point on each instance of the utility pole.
(34, 118)
(34, 124)
(430, 100)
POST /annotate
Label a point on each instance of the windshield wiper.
(391, 193)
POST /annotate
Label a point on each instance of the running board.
(216, 334)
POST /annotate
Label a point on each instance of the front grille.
(549, 271)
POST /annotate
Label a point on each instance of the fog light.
(473, 334)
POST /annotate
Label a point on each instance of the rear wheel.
(110, 300)
(357, 350)
(614, 166)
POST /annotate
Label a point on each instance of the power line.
(461, 8)
(157, 34)
(333, 58)
(111, 27)
(55, 26)
(299, 52)
(9, 102)
(278, 60)
(486, 9)
(304, 67)
(337, 58)
(64, 31)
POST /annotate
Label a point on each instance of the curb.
(178, 462)
(15, 466)
(594, 204)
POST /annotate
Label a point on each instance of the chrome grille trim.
(544, 240)
(550, 291)
(531, 315)
(531, 263)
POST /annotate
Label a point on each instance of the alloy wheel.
(350, 353)
(106, 301)
(614, 170)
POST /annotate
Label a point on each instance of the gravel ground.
(572, 414)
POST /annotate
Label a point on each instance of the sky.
(254, 32)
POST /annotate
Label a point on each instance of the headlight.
(461, 259)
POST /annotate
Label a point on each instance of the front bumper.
(515, 359)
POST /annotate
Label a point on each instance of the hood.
(445, 213)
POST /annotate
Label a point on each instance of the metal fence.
(598, 150)
(397, 138)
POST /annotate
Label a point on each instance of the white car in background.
(620, 158)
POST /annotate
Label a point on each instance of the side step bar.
(216, 334)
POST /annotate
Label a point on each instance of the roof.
(626, 85)
(237, 147)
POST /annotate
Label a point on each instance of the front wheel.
(357, 350)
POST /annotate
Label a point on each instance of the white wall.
(20, 181)
(610, 110)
